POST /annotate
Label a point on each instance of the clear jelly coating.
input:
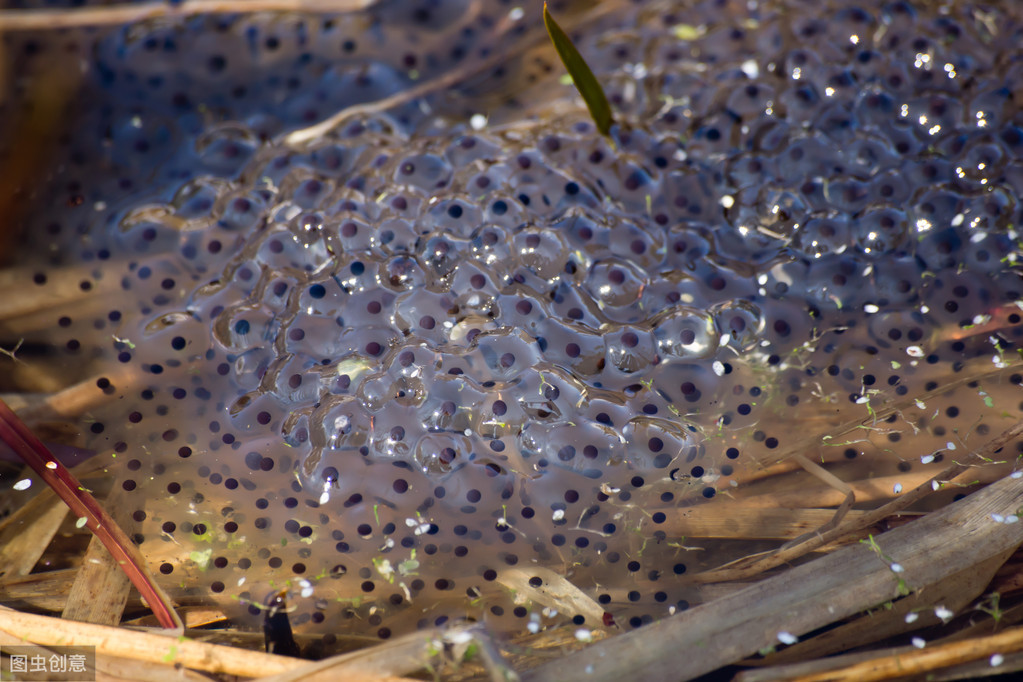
(387, 366)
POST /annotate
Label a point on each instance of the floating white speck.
(943, 613)
(996, 660)
(80, 522)
(750, 68)
(870, 309)
(458, 637)
(51, 465)
(23, 484)
(912, 617)
(727, 201)
(915, 352)
(583, 635)
(1016, 474)
(558, 514)
(935, 485)
(998, 518)
(919, 643)
(307, 589)
(787, 637)
(478, 122)
(533, 627)
(897, 488)
(896, 568)
(718, 367)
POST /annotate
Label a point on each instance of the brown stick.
(868, 519)
(21, 439)
(922, 661)
(805, 598)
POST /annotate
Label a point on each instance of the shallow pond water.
(401, 366)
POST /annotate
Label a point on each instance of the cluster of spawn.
(399, 366)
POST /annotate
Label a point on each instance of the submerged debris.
(410, 357)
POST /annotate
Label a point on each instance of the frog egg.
(822, 235)
(615, 283)
(587, 449)
(426, 172)
(630, 349)
(660, 442)
(741, 324)
(686, 333)
(437, 454)
(881, 230)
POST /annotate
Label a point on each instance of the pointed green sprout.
(585, 82)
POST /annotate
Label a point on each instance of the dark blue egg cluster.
(388, 365)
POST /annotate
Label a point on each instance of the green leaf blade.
(585, 82)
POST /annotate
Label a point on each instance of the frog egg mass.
(400, 365)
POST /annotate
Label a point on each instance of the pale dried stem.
(48, 20)
(914, 661)
(25, 534)
(144, 646)
(443, 82)
(783, 556)
(868, 490)
(101, 588)
(78, 399)
(63, 287)
(739, 521)
(382, 662)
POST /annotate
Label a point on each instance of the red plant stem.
(21, 440)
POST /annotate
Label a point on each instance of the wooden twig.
(79, 398)
(383, 661)
(868, 519)
(443, 82)
(25, 534)
(47, 20)
(155, 647)
(739, 521)
(808, 597)
(101, 588)
(924, 661)
(20, 438)
(954, 592)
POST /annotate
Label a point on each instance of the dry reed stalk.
(31, 450)
(25, 534)
(914, 662)
(810, 596)
(785, 555)
(100, 591)
(448, 80)
(384, 661)
(63, 288)
(154, 647)
(954, 592)
(870, 490)
(739, 521)
(79, 398)
(48, 20)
